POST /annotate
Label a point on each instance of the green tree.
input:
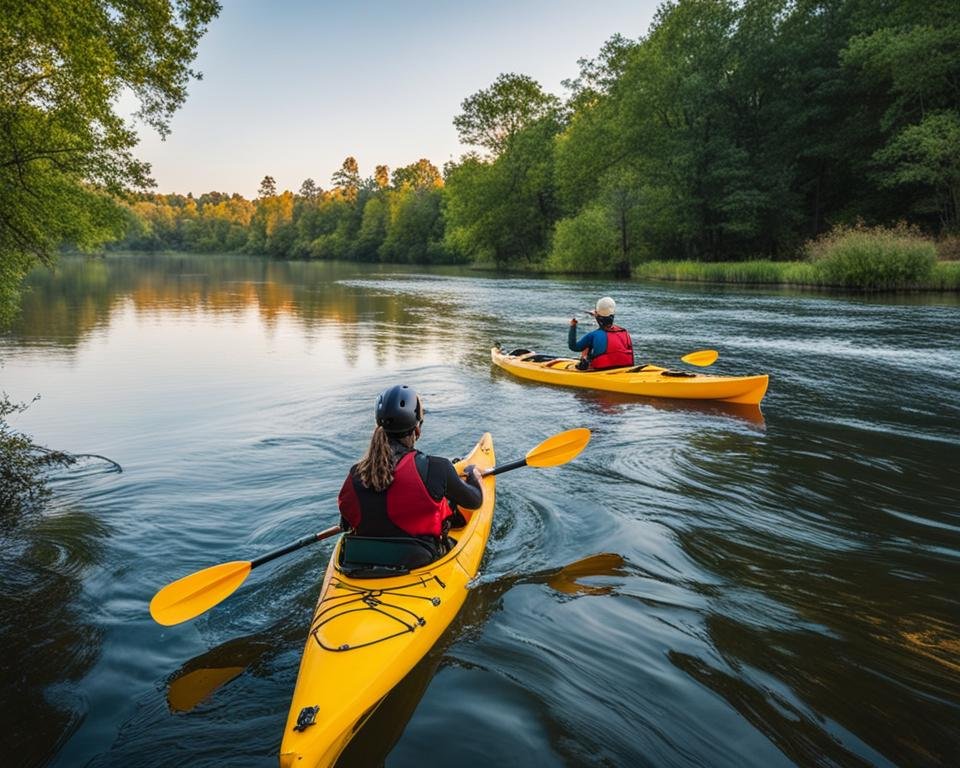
(309, 190)
(585, 242)
(415, 232)
(597, 76)
(912, 60)
(928, 154)
(373, 228)
(491, 117)
(504, 209)
(63, 65)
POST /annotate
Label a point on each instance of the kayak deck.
(645, 380)
(368, 633)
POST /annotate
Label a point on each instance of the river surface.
(703, 586)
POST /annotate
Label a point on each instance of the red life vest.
(405, 508)
(619, 350)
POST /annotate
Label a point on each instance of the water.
(702, 586)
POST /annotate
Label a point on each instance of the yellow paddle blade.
(703, 358)
(558, 449)
(192, 595)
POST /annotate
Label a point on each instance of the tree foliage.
(63, 147)
(493, 116)
(732, 129)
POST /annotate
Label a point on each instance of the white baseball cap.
(606, 307)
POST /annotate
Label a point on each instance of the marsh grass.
(946, 276)
(761, 272)
(873, 258)
(853, 258)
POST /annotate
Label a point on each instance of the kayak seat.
(367, 557)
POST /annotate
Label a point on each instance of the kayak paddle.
(703, 358)
(188, 597)
(553, 451)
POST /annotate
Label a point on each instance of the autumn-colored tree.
(347, 178)
(419, 175)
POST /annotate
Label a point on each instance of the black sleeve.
(444, 481)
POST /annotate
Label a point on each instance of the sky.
(291, 88)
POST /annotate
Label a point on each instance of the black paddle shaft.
(505, 467)
(298, 544)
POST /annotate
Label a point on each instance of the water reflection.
(50, 638)
(64, 306)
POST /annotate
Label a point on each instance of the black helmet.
(399, 410)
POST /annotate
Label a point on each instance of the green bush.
(873, 258)
(946, 276)
(585, 243)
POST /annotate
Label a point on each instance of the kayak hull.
(651, 381)
(367, 634)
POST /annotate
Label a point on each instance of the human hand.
(573, 321)
(471, 470)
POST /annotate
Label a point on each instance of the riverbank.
(847, 258)
(944, 276)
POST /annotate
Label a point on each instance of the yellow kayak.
(368, 633)
(647, 380)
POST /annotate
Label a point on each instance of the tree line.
(731, 130)
(393, 217)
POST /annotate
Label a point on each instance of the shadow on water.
(49, 640)
(203, 676)
(615, 403)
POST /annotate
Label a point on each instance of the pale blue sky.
(290, 88)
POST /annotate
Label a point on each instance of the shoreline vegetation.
(855, 258)
(741, 134)
(858, 259)
(741, 143)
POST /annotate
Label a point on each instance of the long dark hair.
(375, 469)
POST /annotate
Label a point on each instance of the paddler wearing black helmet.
(397, 491)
